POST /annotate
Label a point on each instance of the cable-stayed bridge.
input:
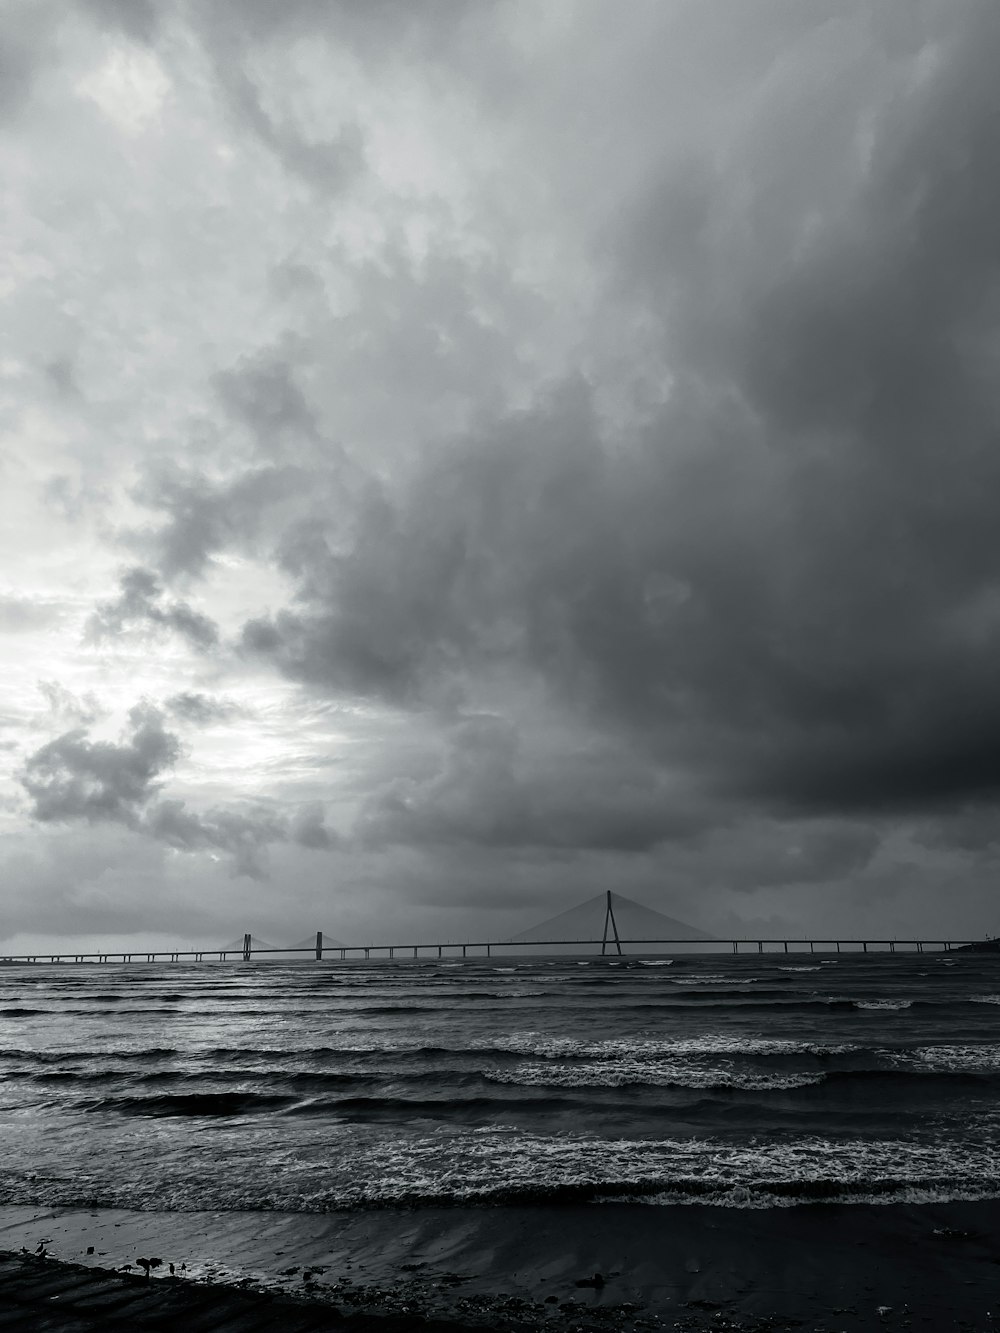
(608, 922)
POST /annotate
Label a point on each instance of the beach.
(688, 1267)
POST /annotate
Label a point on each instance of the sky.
(457, 458)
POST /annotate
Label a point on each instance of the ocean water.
(753, 1081)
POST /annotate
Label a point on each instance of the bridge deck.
(485, 948)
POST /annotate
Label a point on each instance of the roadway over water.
(643, 930)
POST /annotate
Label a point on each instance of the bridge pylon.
(609, 919)
(246, 948)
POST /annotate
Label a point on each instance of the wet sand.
(818, 1267)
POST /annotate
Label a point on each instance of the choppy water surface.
(737, 1080)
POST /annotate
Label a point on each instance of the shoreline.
(837, 1267)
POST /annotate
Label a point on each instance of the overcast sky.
(460, 457)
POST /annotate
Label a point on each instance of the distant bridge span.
(492, 948)
(611, 941)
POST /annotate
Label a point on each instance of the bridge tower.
(319, 946)
(246, 948)
(609, 919)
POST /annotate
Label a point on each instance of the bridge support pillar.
(319, 946)
(786, 946)
(609, 920)
(464, 947)
(864, 946)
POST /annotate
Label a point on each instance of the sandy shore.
(819, 1267)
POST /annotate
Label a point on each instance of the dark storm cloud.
(26, 44)
(486, 793)
(333, 163)
(476, 560)
(262, 393)
(243, 834)
(138, 19)
(61, 374)
(378, 30)
(230, 32)
(790, 582)
(205, 516)
(142, 602)
(73, 777)
(308, 828)
(972, 829)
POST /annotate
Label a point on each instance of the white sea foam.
(741, 1196)
(657, 962)
(960, 1059)
(756, 1173)
(882, 1004)
(713, 979)
(539, 1044)
(985, 999)
(651, 1073)
(809, 967)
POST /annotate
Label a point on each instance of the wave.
(192, 1104)
(882, 1004)
(969, 1058)
(400, 1058)
(751, 1005)
(744, 1044)
(495, 1167)
(447, 1105)
(662, 1074)
(713, 979)
(60, 1056)
(401, 1008)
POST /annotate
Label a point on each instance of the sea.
(748, 1081)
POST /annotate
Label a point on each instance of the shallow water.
(748, 1081)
